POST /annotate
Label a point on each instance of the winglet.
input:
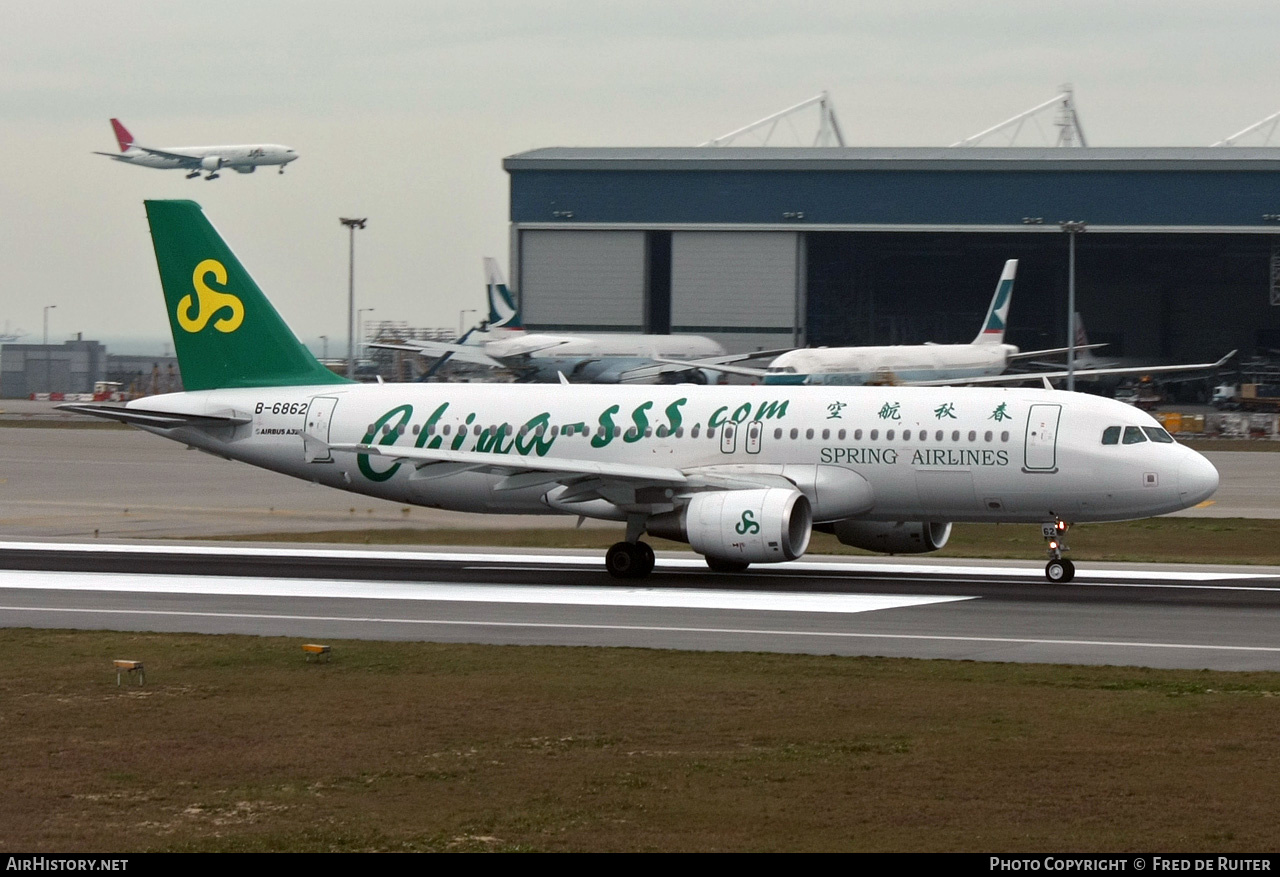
(123, 137)
(998, 313)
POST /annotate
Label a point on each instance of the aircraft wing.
(158, 419)
(464, 352)
(185, 160)
(515, 463)
(586, 479)
(716, 365)
(1056, 351)
(665, 366)
(1083, 373)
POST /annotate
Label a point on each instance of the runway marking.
(649, 628)
(833, 565)
(667, 598)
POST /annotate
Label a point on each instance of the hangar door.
(582, 280)
(740, 283)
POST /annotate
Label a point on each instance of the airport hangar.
(765, 247)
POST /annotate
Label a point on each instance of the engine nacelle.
(900, 537)
(211, 162)
(767, 525)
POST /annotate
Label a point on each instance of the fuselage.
(505, 344)
(936, 453)
(853, 366)
(242, 155)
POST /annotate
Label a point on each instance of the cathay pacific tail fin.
(503, 313)
(998, 313)
(225, 332)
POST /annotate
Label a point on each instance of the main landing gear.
(1059, 570)
(212, 176)
(193, 175)
(629, 560)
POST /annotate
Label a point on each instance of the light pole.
(1072, 227)
(360, 330)
(352, 225)
(462, 319)
(47, 379)
(325, 340)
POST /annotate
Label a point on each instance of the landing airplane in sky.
(743, 474)
(244, 159)
(603, 358)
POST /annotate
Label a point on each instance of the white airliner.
(983, 360)
(604, 358)
(243, 159)
(743, 474)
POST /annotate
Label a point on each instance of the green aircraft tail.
(225, 332)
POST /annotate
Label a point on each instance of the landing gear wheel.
(628, 560)
(1060, 571)
(719, 564)
(647, 559)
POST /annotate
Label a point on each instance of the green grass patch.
(237, 744)
(1155, 540)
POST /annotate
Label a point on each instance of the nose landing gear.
(1059, 570)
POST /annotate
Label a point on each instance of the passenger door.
(1040, 453)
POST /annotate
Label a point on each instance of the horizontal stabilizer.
(156, 419)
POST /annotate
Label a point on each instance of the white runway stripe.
(669, 598)
(829, 565)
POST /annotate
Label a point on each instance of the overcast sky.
(403, 112)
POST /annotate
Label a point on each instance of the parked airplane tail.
(123, 137)
(225, 332)
(503, 313)
(997, 315)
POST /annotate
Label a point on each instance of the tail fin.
(225, 332)
(502, 306)
(123, 137)
(997, 315)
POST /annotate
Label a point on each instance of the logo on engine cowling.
(747, 525)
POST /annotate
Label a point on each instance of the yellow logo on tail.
(210, 301)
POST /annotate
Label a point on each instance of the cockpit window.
(1111, 435)
(1133, 435)
(1156, 434)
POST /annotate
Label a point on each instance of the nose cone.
(1197, 479)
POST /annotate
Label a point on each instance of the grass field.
(1155, 540)
(238, 744)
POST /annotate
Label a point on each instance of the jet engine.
(211, 162)
(900, 537)
(765, 525)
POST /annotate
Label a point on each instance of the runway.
(1220, 618)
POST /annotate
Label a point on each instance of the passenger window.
(711, 432)
(906, 435)
(888, 436)
(680, 432)
(795, 433)
(447, 427)
(808, 433)
(1156, 434)
(840, 435)
(972, 435)
(694, 432)
(955, 435)
(1133, 435)
(937, 436)
(1004, 436)
(1111, 435)
(857, 435)
(875, 434)
(777, 433)
(986, 436)
(826, 434)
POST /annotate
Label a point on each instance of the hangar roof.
(855, 158)
(1200, 189)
